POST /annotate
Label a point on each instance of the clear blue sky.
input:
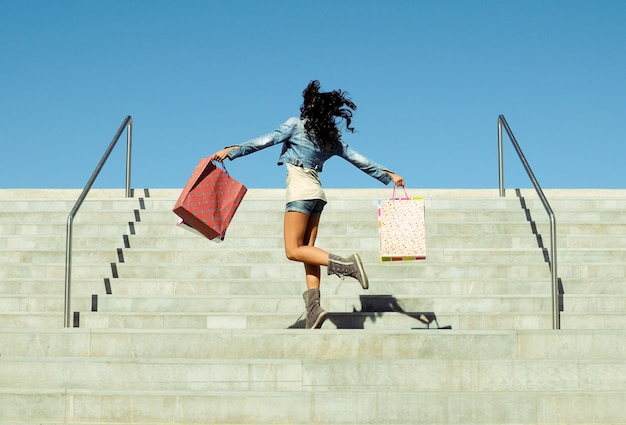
(429, 78)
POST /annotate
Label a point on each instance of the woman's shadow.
(373, 308)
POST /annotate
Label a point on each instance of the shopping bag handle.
(216, 163)
(403, 188)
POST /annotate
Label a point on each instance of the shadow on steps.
(374, 307)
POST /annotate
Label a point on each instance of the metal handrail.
(556, 319)
(128, 124)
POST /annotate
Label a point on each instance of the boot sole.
(364, 282)
(320, 320)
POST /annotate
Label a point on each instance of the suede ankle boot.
(315, 314)
(351, 266)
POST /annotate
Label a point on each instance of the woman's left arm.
(368, 166)
(397, 180)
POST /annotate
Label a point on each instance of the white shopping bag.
(401, 228)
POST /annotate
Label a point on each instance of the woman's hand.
(221, 155)
(397, 180)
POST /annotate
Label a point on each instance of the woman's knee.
(291, 253)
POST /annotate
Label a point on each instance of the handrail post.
(129, 143)
(70, 218)
(68, 272)
(556, 305)
(556, 318)
(500, 159)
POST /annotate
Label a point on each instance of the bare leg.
(300, 232)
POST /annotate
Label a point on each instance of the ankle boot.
(351, 266)
(315, 314)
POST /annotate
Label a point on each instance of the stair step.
(356, 320)
(223, 375)
(282, 286)
(388, 321)
(350, 407)
(318, 344)
(286, 304)
(277, 255)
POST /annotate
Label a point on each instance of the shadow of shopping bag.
(401, 228)
(209, 201)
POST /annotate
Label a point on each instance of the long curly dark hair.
(321, 110)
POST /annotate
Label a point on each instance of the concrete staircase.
(172, 328)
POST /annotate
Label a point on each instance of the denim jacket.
(300, 149)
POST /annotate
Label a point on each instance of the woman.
(307, 142)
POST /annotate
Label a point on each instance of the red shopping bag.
(209, 201)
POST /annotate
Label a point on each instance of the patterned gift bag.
(401, 228)
(209, 201)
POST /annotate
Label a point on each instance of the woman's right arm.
(222, 154)
(279, 135)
